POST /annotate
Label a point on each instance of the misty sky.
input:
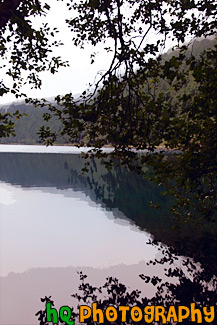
(76, 78)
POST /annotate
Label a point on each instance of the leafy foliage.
(7, 123)
(174, 109)
(185, 284)
(128, 108)
(26, 128)
(117, 189)
(25, 50)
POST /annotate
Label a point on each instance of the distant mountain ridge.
(28, 126)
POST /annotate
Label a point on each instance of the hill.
(28, 126)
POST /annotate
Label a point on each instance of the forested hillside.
(28, 126)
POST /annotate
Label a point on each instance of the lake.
(55, 221)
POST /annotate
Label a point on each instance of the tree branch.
(7, 9)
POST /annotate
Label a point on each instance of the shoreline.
(161, 147)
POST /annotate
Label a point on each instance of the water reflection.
(25, 290)
(52, 215)
(51, 229)
(124, 193)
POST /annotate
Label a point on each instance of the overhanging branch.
(7, 9)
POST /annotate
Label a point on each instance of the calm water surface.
(50, 218)
(54, 221)
(47, 227)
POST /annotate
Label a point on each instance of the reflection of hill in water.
(24, 290)
(115, 189)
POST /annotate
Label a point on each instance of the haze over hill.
(28, 126)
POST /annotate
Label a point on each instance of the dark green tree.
(146, 100)
(143, 100)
